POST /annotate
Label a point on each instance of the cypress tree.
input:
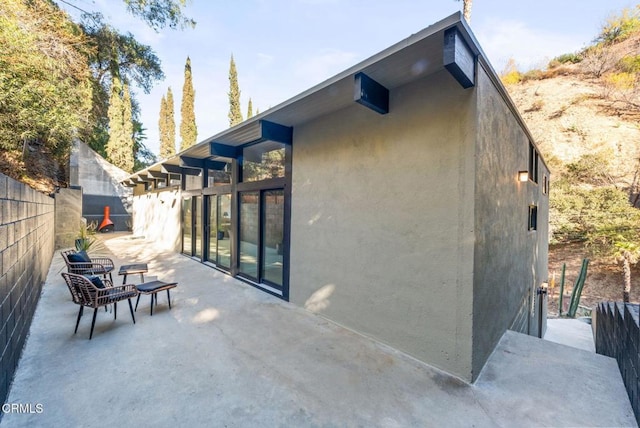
(127, 128)
(250, 109)
(120, 145)
(171, 124)
(162, 128)
(235, 115)
(188, 130)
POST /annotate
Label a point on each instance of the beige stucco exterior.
(408, 227)
(382, 221)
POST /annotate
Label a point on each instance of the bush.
(620, 27)
(570, 58)
(629, 64)
(534, 74)
(511, 78)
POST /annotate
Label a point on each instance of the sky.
(283, 47)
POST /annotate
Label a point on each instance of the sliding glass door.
(192, 226)
(261, 236)
(219, 251)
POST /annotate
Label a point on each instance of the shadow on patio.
(227, 354)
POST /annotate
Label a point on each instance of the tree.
(167, 127)
(235, 115)
(250, 109)
(466, 9)
(586, 207)
(156, 13)
(160, 13)
(120, 145)
(45, 83)
(162, 128)
(188, 129)
(171, 124)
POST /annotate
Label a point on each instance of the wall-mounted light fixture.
(523, 176)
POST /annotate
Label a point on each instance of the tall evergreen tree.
(250, 109)
(235, 115)
(162, 128)
(171, 124)
(127, 127)
(188, 130)
(120, 145)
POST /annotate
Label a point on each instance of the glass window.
(197, 225)
(219, 177)
(263, 161)
(249, 233)
(193, 182)
(186, 226)
(272, 236)
(533, 217)
(224, 230)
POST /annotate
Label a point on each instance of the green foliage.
(591, 168)
(45, 84)
(235, 115)
(250, 109)
(188, 129)
(160, 13)
(620, 27)
(630, 64)
(586, 206)
(120, 145)
(167, 127)
(569, 58)
(171, 124)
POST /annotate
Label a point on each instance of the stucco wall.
(510, 261)
(26, 248)
(156, 216)
(100, 182)
(382, 221)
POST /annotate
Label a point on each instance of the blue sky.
(283, 47)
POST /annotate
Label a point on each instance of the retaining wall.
(26, 249)
(618, 336)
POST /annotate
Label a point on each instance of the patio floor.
(227, 354)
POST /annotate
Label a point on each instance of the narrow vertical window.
(533, 217)
(533, 163)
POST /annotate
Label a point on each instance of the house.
(403, 198)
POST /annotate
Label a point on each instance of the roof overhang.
(448, 44)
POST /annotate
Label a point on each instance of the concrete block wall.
(618, 336)
(26, 249)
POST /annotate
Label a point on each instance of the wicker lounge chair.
(85, 292)
(81, 264)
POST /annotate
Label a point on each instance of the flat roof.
(413, 58)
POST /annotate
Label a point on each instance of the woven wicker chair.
(85, 293)
(97, 266)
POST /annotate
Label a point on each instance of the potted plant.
(85, 237)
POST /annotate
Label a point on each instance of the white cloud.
(529, 47)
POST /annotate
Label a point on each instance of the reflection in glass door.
(262, 236)
(187, 226)
(272, 236)
(249, 233)
(224, 231)
(219, 251)
(197, 226)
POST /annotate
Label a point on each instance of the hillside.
(576, 114)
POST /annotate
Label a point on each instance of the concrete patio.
(227, 354)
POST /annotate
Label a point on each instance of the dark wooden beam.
(217, 165)
(191, 162)
(177, 169)
(371, 94)
(458, 58)
(276, 132)
(158, 174)
(224, 150)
